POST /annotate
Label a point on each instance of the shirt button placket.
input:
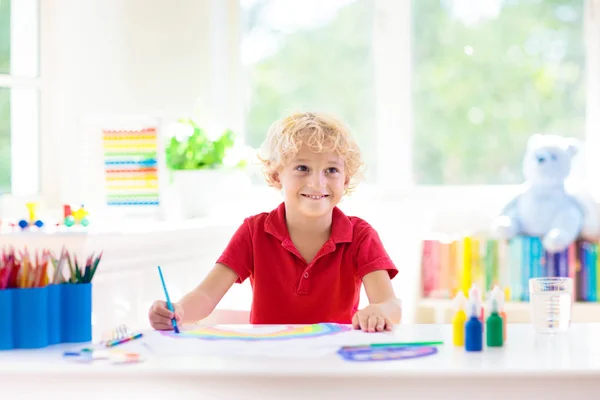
(303, 287)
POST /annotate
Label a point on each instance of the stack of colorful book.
(453, 263)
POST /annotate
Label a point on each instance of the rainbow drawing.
(131, 167)
(286, 332)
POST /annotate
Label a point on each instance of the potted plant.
(201, 171)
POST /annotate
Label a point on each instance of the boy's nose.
(318, 180)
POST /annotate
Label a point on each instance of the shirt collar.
(341, 227)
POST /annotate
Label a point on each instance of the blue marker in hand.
(169, 305)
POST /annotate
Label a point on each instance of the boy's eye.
(302, 168)
(332, 170)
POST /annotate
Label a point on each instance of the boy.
(306, 260)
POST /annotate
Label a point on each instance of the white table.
(555, 367)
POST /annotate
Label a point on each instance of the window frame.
(592, 121)
(25, 42)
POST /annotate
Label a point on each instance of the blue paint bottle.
(473, 329)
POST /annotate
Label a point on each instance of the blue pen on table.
(169, 305)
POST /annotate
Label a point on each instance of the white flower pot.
(201, 193)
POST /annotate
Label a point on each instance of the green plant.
(197, 151)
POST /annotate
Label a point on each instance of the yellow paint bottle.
(458, 319)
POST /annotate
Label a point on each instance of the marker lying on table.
(169, 305)
(395, 344)
(115, 342)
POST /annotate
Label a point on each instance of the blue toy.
(545, 207)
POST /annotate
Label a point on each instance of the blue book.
(537, 258)
(557, 264)
(581, 275)
(549, 269)
(526, 266)
(561, 264)
(591, 254)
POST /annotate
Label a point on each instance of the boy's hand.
(371, 319)
(160, 316)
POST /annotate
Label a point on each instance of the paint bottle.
(476, 296)
(499, 295)
(473, 329)
(458, 319)
(493, 328)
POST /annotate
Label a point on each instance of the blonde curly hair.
(320, 133)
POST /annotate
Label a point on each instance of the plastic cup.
(551, 303)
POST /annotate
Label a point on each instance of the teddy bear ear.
(535, 141)
(572, 146)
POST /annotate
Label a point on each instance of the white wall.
(114, 57)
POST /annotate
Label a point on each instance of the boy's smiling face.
(312, 183)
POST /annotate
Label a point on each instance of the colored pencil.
(169, 305)
(115, 342)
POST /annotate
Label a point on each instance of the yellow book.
(466, 264)
(477, 263)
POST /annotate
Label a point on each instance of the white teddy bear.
(545, 207)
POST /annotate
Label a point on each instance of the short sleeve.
(238, 253)
(370, 253)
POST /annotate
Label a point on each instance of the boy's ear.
(275, 180)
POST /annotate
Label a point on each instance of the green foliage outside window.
(481, 86)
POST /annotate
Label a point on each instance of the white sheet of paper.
(314, 347)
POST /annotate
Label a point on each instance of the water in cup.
(551, 304)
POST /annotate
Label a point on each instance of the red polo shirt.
(287, 290)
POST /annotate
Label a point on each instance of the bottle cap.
(475, 293)
(473, 309)
(459, 302)
(494, 305)
(498, 295)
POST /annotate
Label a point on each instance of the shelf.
(437, 311)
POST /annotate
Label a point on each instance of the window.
(309, 56)
(439, 92)
(19, 94)
(487, 74)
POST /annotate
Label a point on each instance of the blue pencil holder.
(76, 312)
(6, 319)
(54, 314)
(30, 318)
